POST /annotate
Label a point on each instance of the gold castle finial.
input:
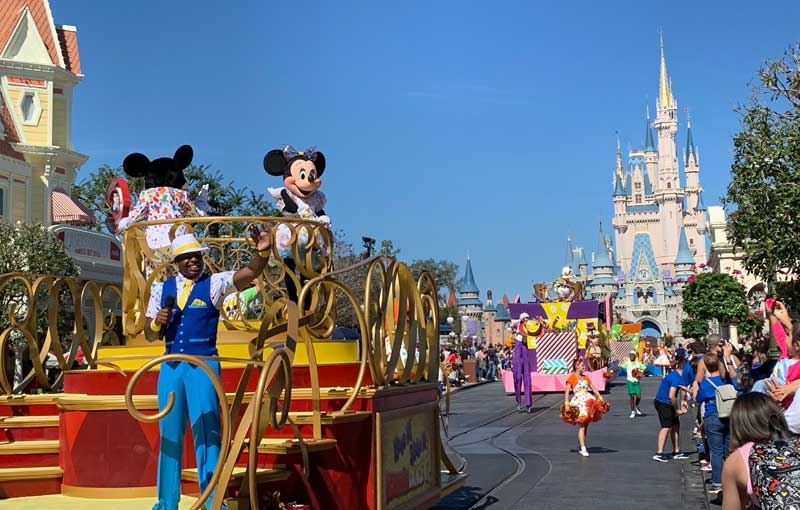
(620, 170)
(665, 99)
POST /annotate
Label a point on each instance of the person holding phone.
(185, 310)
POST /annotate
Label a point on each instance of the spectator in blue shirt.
(669, 407)
(717, 429)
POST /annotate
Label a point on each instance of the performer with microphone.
(184, 311)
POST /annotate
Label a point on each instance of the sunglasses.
(188, 256)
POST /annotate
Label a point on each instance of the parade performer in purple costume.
(525, 359)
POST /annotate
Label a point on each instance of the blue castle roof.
(648, 138)
(643, 208)
(602, 258)
(684, 255)
(690, 143)
(502, 313)
(469, 286)
(619, 189)
(700, 205)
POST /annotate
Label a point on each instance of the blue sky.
(450, 127)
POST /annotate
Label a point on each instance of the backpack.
(725, 396)
(775, 473)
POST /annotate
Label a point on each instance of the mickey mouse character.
(299, 198)
(165, 197)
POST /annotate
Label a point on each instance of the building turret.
(650, 151)
(684, 261)
(667, 127)
(692, 169)
(602, 280)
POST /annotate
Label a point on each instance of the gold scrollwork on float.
(39, 309)
(310, 255)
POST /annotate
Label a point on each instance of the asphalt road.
(521, 461)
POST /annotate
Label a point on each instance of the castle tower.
(602, 269)
(684, 261)
(650, 152)
(469, 302)
(666, 125)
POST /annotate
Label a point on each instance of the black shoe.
(660, 457)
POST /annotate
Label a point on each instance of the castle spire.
(691, 154)
(601, 258)
(665, 99)
(620, 170)
(649, 144)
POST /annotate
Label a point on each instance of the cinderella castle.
(660, 225)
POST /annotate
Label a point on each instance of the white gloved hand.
(201, 201)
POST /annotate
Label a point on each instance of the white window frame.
(5, 210)
(36, 113)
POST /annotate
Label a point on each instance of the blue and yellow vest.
(192, 330)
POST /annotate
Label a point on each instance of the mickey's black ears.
(274, 162)
(136, 165)
(319, 163)
(183, 157)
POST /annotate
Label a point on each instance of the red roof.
(10, 15)
(69, 48)
(66, 209)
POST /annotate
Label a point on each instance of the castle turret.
(684, 261)
(602, 269)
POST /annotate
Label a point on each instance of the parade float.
(567, 326)
(327, 424)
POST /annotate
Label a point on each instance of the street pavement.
(520, 461)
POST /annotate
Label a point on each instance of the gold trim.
(108, 492)
(29, 400)
(22, 422)
(29, 447)
(29, 473)
(77, 402)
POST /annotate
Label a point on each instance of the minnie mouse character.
(299, 198)
(164, 197)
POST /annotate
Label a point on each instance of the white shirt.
(221, 286)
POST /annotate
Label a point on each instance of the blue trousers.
(718, 436)
(196, 399)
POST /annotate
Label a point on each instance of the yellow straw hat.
(187, 243)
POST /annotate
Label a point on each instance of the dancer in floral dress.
(582, 409)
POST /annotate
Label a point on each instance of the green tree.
(750, 325)
(445, 273)
(765, 174)
(715, 296)
(34, 250)
(694, 328)
(388, 250)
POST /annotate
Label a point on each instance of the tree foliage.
(715, 296)
(694, 328)
(765, 174)
(750, 325)
(445, 273)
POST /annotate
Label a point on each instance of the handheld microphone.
(169, 304)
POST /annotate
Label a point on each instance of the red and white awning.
(66, 209)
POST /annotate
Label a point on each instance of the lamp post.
(452, 336)
(464, 319)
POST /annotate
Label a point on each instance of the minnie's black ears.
(183, 157)
(319, 163)
(136, 165)
(275, 162)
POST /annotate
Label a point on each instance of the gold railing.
(52, 314)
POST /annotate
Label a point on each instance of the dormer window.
(638, 186)
(638, 199)
(30, 108)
